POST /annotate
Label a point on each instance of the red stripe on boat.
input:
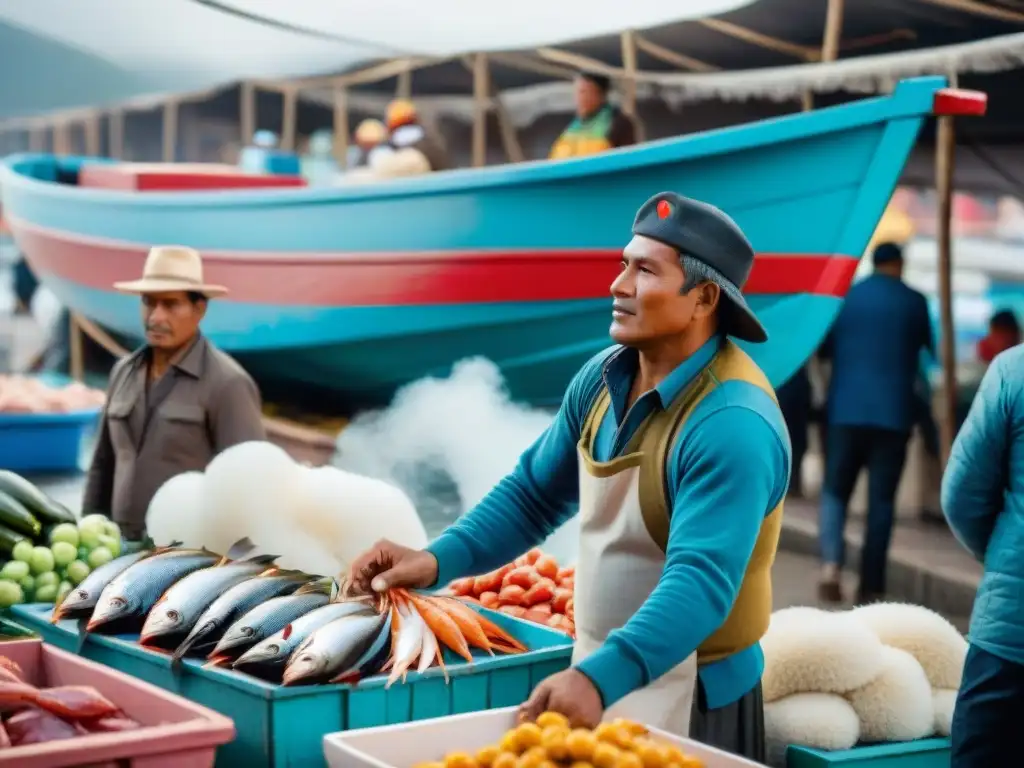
(405, 279)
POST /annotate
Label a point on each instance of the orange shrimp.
(440, 623)
(499, 635)
(466, 620)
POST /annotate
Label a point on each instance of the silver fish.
(266, 619)
(185, 601)
(134, 591)
(236, 602)
(333, 648)
(275, 649)
(82, 599)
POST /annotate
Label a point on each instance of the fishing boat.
(357, 290)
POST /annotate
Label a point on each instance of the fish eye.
(173, 615)
(247, 631)
(118, 602)
(274, 648)
(82, 594)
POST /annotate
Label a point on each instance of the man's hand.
(386, 565)
(569, 693)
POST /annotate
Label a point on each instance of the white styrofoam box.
(405, 745)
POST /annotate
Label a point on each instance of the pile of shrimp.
(422, 626)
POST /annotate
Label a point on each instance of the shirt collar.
(622, 367)
(189, 360)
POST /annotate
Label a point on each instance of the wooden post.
(115, 134)
(829, 43)
(288, 118)
(92, 136)
(945, 146)
(481, 101)
(341, 126)
(247, 113)
(36, 139)
(403, 88)
(170, 131)
(76, 349)
(628, 41)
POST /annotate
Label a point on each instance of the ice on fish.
(276, 648)
(136, 589)
(333, 648)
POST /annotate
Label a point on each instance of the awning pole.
(945, 147)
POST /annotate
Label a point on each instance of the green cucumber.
(42, 507)
(9, 538)
(14, 515)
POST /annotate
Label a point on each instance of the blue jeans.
(987, 712)
(851, 449)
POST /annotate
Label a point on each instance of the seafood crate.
(44, 442)
(403, 746)
(175, 733)
(924, 753)
(284, 726)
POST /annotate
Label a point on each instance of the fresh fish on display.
(235, 603)
(274, 650)
(183, 603)
(373, 659)
(135, 590)
(80, 601)
(333, 648)
(408, 644)
(266, 619)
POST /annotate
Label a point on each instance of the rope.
(280, 428)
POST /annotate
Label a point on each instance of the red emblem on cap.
(664, 209)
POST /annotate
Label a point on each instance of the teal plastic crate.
(925, 753)
(278, 727)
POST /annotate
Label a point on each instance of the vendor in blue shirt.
(875, 348)
(672, 449)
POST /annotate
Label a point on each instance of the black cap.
(886, 253)
(707, 234)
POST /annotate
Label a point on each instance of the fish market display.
(44, 550)
(25, 394)
(533, 587)
(551, 742)
(34, 715)
(132, 593)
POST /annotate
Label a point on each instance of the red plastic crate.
(176, 732)
(178, 177)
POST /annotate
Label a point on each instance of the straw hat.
(172, 268)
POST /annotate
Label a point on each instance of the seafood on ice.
(33, 715)
(25, 394)
(533, 587)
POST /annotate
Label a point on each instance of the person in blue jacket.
(875, 347)
(672, 449)
(983, 501)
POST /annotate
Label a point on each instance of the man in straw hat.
(173, 404)
(673, 451)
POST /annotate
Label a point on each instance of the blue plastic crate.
(280, 727)
(925, 753)
(45, 442)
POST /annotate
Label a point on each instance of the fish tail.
(238, 551)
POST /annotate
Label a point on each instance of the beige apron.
(619, 565)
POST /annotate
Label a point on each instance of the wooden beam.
(481, 101)
(805, 52)
(580, 62)
(829, 43)
(61, 139)
(247, 114)
(945, 146)
(36, 139)
(384, 70)
(170, 131)
(341, 126)
(629, 66)
(507, 128)
(115, 134)
(403, 88)
(91, 128)
(979, 9)
(527, 63)
(289, 118)
(76, 348)
(669, 56)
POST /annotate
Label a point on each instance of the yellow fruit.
(606, 755)
(650, 754)
(550, 719)
(629, 760)
(505, 760)
(548, 764)
(581, 743)
(553, 740)
(528, 735)
(485, 757)
(612, 733)
(631, 726)
(532, 758)
(689, 761)
(510, 743)
(459, 760)
(429, 765)
(673, 754)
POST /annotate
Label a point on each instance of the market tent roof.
(65, 54)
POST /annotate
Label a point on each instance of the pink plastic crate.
(178, 733)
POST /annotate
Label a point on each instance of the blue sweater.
(983, 500)
(727, 471)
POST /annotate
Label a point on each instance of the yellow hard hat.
(400, 111)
